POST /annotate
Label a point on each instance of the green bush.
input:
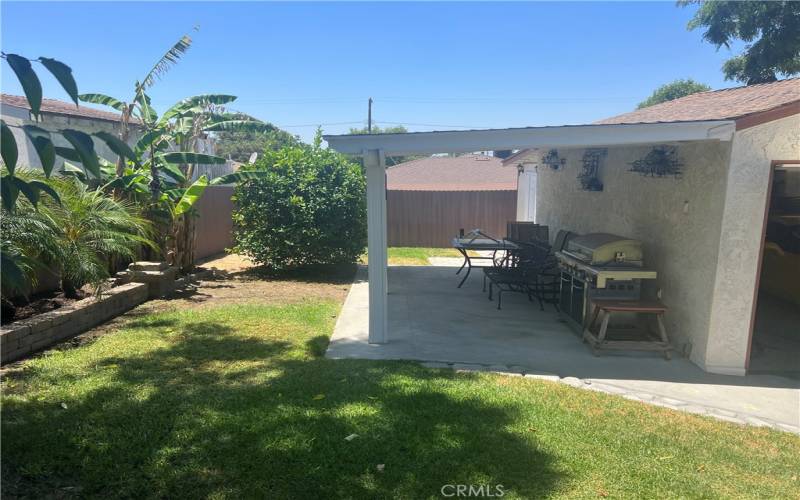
(310, 208)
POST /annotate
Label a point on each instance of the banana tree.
(184, 126)
(139, 107)
(163, 162)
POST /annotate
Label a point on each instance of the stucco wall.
(677, 220)
(16, 117)
(748, 178)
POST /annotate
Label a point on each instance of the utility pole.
(369, 116)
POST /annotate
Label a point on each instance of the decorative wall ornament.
(590, 172)
(661, 161)
(552, 160)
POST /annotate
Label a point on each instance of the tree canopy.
(240, 144)
(397, 129)
(673, 90)
(770, 30)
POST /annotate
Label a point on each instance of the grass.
(238, 401)
(415, 256)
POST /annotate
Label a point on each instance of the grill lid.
(603, 249)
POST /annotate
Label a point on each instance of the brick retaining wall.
(20, 338)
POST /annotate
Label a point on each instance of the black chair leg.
(499, 298)
(484, 282)
(491, 286)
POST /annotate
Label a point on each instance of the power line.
(430, 125)
(319, 124)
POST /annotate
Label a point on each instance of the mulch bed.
(38, 304)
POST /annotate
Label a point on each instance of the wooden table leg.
(601, 335)
(662, 332)
(587, 326)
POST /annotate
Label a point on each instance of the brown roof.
(725, 104)
(444, 173)
(749, 106)
(54, 106)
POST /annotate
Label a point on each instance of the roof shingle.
(725, 104)
(443, 173)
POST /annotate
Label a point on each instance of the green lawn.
(415, 256)
(237, 401)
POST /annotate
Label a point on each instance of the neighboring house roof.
(443, 173)
(725, 104)
(56, 107)
(747, 106)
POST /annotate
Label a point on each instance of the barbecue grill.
(599, 266)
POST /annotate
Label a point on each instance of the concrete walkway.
(432, 321)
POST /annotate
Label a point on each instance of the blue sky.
(428, 66)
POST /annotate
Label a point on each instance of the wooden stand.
(633, 339)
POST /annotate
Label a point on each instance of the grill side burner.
(600, 266)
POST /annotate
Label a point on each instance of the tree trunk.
(183, 242)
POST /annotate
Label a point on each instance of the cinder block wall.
(24, 337)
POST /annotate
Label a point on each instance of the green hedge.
(309, 209)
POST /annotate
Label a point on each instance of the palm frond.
(167, 61)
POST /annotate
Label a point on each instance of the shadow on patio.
(432, 320)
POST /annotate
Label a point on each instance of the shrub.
(310, 208)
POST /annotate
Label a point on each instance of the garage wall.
(678, 221)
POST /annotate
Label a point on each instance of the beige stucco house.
(703, 229)
(58, 115)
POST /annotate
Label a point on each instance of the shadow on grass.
(335, 274)
(168, 423)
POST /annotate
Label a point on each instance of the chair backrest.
(526, 231)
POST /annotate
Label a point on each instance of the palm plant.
(29, 241)
(93, 227)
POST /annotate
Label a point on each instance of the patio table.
(464, 245)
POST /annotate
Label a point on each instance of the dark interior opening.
(775, 346)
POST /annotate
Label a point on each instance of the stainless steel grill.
(600, 266)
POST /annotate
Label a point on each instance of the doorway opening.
(775, 338)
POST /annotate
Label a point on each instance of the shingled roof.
(726, 104)
(56, 107)
(443, 173)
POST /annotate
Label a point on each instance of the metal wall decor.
(552, 160)
(590, 172)
(661, 161)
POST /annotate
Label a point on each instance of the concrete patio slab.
(431, 320)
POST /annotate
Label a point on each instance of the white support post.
(376, 245)
(526, 194)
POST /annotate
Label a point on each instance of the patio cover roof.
(463, 141)
(374, 148)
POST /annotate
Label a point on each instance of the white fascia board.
(464, 141)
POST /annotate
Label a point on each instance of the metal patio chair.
(533, 270)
